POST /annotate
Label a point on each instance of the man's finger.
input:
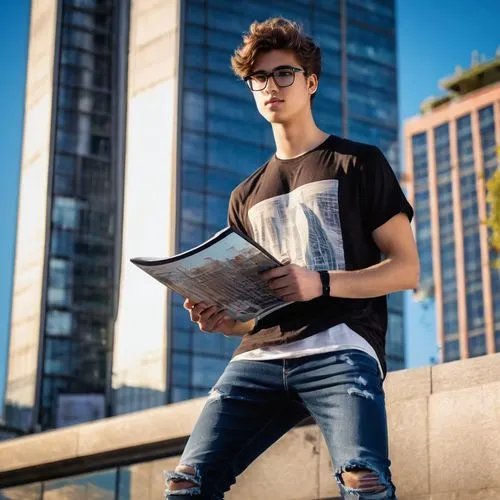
(214, 320)
(277, 272)
(220, 321)
(287, 295)
(206, 324)
(196, 312)
(189, 304)
(207, 314)
(198, 309)
(281, 292)
(279, 283)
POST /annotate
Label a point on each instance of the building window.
(422, 207)
(27, 492)
(477, 346)
(395, 335)
(451, 350)
(450, 313)
(194, 111)
(99, 485)
(181, 369)
(371, 45)
(58, 357)
(59, 323)
(65, 214)
(475, 307)
(395, 364)
(60, 273)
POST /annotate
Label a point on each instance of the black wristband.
(325, 282)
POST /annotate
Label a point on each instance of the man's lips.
(272, 101)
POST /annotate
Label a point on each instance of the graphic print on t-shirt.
(303, 226)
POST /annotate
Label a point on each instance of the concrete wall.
(444, 440)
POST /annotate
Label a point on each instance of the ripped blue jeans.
(255, 402)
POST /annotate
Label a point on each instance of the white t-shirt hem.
(337, 338)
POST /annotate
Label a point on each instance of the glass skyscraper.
(69, 218)
(224, 138)
(451, 155)
(221, 139)
(148, 133)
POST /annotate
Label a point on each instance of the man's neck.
(296, 138)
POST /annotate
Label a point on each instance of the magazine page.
(224, 271)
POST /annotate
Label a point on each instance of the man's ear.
(312, 84)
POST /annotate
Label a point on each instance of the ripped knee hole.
(184, 477)
(363, 480)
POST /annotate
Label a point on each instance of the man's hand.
(294, 283)
(212, 319)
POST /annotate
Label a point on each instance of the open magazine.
(224, 270)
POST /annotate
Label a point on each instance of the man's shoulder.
(354, 156)
(355, 149)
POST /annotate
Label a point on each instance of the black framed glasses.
(283, 76)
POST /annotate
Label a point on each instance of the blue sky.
(14, 20)
(433, 37)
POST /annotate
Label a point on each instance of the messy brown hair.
(276, 33)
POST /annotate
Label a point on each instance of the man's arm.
(400, 270)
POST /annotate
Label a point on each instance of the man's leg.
(246, 412)
(343, 393)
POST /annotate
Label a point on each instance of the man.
(327, 208)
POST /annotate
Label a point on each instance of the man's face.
(279, 104)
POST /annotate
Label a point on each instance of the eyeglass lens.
(282, 78)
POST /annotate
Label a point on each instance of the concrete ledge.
(32, 451)
(464, 439)
(408, 422)
(140, 428)
(297, 465)
(444, 437)
(408, 384)
(130, 431)
(468, 373)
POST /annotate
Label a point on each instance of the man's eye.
(259, 78)
(284, 73)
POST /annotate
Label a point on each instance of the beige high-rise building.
(452, 150)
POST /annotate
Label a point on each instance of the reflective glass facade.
(471, 240)
(82, 235)
(100, 485)
(138, 481)
(422, 208)
(371, 110)
(224, 138)
(78, 297)
(446, 231)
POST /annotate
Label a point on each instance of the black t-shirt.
(319, 211)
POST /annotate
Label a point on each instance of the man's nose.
(271, 85)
